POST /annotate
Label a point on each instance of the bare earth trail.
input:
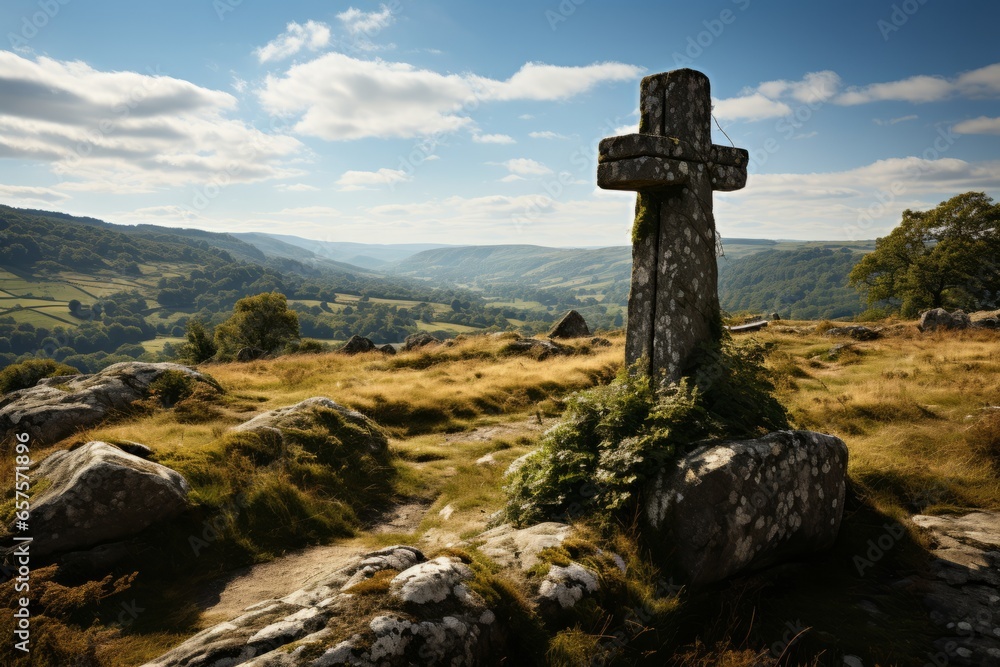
(237, 590)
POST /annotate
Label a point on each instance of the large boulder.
(539, 348)
(358, 345)
(98, 493)
(57, 407)
(940, 319)
(307, 414)
(735, 506)
(572, 325)
(419, 340)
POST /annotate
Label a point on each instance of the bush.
(615, 437)
(28, 373)
(172, 387)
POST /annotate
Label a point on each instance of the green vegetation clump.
(28, 373)
(613, 438)
(262, 323)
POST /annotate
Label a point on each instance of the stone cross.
(673, 306)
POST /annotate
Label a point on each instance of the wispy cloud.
(493, 139)
(312, 35)
(367, 180)
(358, 22)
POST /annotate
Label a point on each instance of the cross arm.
(645, 161)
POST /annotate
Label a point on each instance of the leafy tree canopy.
(947, 257)
(261, 322)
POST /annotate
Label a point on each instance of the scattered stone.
(99, 493)
(387, 349)
(748, 328)
(419, 340)
(774, 317)
(486, 460)
(358, 345)
(856, 332)
(673, 304)
(396, 557)
(135, 449)
(734, 506)
(433, 581)
(986, 323)
(566, 586)
(940, 319)
(963, 594)
(572, 325)
(447, 511)
(837, 350)
(50, 413)
(597, 341)
(536, 347)
(303, 415)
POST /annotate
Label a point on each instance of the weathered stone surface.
(856, 332)
(733, 506)
(597, 341)
(357, 345)
(51, 411)
(572, 325)
(514, 548)
(419, 340)
(444, 623)
(387, 349)
(99, 493)
(940, 319)
(303, 416)
(963, 595)
(566, 586)
(672, 163)
(540, 348)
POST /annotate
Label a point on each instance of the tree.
(262, 322)
(74, 306)
(946, 257)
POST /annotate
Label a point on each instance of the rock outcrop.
(419, 340)
(940, 319)
(964, 594)
(98, 493)
(304, 415)
(57, 407)
(856, 332)
(392, 607)
(572, 325)
(734, 506)
(535, 347)
(358, 345)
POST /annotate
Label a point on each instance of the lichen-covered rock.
(304, 415)
(566, 586)
(856, 332)
(358, 345)
(419, 340)
(572, 325)
(433, 581)
(733, 506)
(99, 493)
(428, 617)
(963, 592)
(512, 547)
(940, 319)
(50, 411)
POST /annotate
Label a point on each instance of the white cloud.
(311, 212)
(525, 167)
(130, 132)
(983, 82)
(547, 134)
(493, 139)
(526, 116)
(981, 125)
(916, 89)
(749, 107)
(365, 180)
(814, 87)
(893, 121)
(31, 192)
(296, 187)
(366, 23)
(312, 35)
(511, 178)
(338, 97)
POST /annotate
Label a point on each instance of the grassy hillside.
(909, 406)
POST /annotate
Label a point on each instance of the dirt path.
(239, 589)
(299, 569)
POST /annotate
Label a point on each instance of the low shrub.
(28, 373)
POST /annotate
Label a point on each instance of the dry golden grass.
(910, 407)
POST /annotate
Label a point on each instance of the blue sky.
(470, 123)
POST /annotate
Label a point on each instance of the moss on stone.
(647, 213)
